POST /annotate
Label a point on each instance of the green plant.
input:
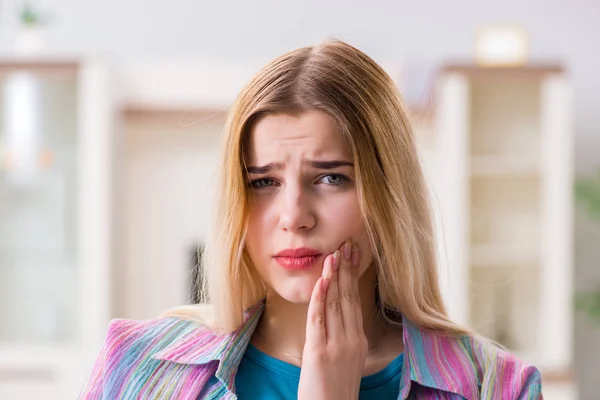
(30, 16)
(587, 193)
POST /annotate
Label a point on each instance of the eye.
(261, 183)
(334, 179)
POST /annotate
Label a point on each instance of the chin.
(297, 291)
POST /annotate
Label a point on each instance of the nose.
(297, 214)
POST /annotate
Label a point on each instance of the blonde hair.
(340, 80)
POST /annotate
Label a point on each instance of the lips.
(297, 259)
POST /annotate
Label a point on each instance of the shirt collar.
(202, 346)
(438, 361)
(430, 358)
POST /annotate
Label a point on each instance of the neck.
(281, 330)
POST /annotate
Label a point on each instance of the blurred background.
(111, 115)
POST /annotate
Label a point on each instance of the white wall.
(241, 31)
(166, 187)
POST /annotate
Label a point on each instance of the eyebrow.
(315, 164)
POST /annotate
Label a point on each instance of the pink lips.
(297, 259)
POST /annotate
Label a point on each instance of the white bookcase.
(501, 168)
(56, 138)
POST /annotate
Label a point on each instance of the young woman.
(320, 275)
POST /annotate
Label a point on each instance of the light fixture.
(21, 128)
(501, 45)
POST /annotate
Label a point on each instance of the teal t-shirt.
(261, 376)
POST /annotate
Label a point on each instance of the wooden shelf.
(486, 73)
(500, 165)
(499, 255)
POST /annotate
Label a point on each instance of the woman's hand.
(336, 346)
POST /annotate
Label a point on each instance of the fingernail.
(336, 260)
(355, 255)
(347, 250)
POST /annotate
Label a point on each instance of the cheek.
(347, 216)
(257, 229)
(261, 231)
(344, 221)
(261, 214)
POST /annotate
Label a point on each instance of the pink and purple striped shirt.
(174, 358)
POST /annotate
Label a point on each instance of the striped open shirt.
(173, 358)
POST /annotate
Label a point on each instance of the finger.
(315, 321)
(333, 311)
(355, 287)
(349, 298)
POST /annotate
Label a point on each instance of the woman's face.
(303, 201)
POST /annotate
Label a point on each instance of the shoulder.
(170, 326)
(469, 365)
(125, 334)
(500, 372)
(134, 351)
(152, 336)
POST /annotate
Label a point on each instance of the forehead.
(311, 134)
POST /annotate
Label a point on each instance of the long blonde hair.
(340, 80)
